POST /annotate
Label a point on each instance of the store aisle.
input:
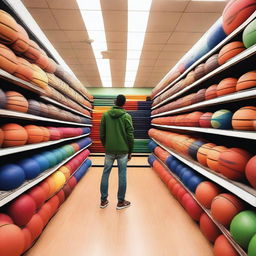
(155, 224)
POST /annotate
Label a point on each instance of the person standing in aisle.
(116, 135)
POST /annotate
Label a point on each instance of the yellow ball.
(59, 179)
(64, 169)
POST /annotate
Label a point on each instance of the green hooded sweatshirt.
(116, 131)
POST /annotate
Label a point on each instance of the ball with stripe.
(221, 119)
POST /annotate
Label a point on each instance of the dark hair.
(120, 100)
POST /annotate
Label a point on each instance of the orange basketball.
(200, 96)
(244, 118)
(33, 52)
(190, 78)
(223, 247)
(39, 77)
(211, 64)
(43, 60)
(224, 207)
(213, 157)
(1, 137)
(180, 120)
(202, 153)
(46, 134)
(232, 163)
(187, 100)
(208, 228)
(52, 66)
(193, 119)
(14, 135)
(8, 28)
(229, 51)
(8, 60)
(22, 43)
(35, 134)
(24, 70)
(248, 80)
(205, 192)
(44, 109)
(16, 102)
(226, 86)
(211, 92)
(53, 112)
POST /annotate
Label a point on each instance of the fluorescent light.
(93, 20)
(138, 12)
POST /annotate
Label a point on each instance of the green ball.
(69, 149)
(51, 158)
(249, 35)
(243, 227)
(64, 153)
(58, 155)
(252, 247)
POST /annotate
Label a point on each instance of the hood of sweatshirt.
(116, 112)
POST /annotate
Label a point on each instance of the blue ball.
(186, 176)
(86, 130)
(174, 163)
(51, 158)
(58, 155)
(194, 182)
(183, 171)
(63, 152)
(193, 148)
(31, 168)
(178, 169)
(42, 161)
(169, 160)
(222, 119)
(151, 160)
(11, 176)
(152, 145)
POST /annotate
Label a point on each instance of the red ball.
(39, 196)
(45, 213)
(35, 226)
(22, 209)
(55, 133)
(54, 202)
(61, 196)
(67, 190)
(27, 239)
(223, 247)
(186, 197)
(250, 171)
(208, 228)
(45, 186)
(181, 192)
(175, 189)
(205, 120)
(5, 219)
(193, 209)
(171, 183)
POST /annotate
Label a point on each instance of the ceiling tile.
(149, 55)
(82, 53)
(162, 21)
(183, 38)
(117, 54)
(75, 67)
(171, 55)
(115, 20)
(56, 35)
(86, 61)
(44, 18)
(114, 5)
(63, 4)
(206, 6)
(163, 62)
(117, 46)
(62, 45)
(91, 66)
(71, 61)
(146, 63)
(153, 47)
(67, 53)
(81, 45)
(35, 3)
(69, 19)
(77, 36)
(156, 38)
(177, 47)
(169, 5)
(116, 37)
(196, 22)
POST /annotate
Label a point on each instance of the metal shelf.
(224, 231)
(237, 96)
(25, 116)
(248, 194)
(64, 106)
(13, 150)
(230, 133)
(241, 56)
(7, 196)
(207, 55)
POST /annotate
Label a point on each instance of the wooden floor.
(155, 224)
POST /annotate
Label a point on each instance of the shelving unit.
(237, 96)
(206, 56)
(7, 196)
(25, 116)
(224, 231)
(243, 191)
(230, 133)
(13, 150)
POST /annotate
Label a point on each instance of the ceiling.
(173, 27)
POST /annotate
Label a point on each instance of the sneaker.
(104, 204)
(123, 204)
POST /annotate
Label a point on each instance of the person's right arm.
(103, 130)
(130, 135)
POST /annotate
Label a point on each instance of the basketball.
(244, 118)
(229, 51)
(193, 183)
(211, 64)
(208, 228)
(211, 92)
(44, 109)
(224, 207)
(22, 43)
(221, 119)
(53, 111)
(199, 71)
(14, 135)
(24, 70)
(52, 66)
(55, 133)
(226, 86)
(8, 28)
(39, 77)
(205, 120)
(2, 99)
(232, 163)
(16, 102)
(236, 12)
(46, 134)
(8, 60)
(35, 134)
(205, 192)
(43, 60)
(192, 119)
(250, 171)
(194, 147)
(22, 209)
(34, 107)
(249, 35)
(213, 157)
(30, 167)
(248, 80)
(33, 52)
(12, 240)
(223, 247)
(202, 153)
(200, 96)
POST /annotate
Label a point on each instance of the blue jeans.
(122, 164)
